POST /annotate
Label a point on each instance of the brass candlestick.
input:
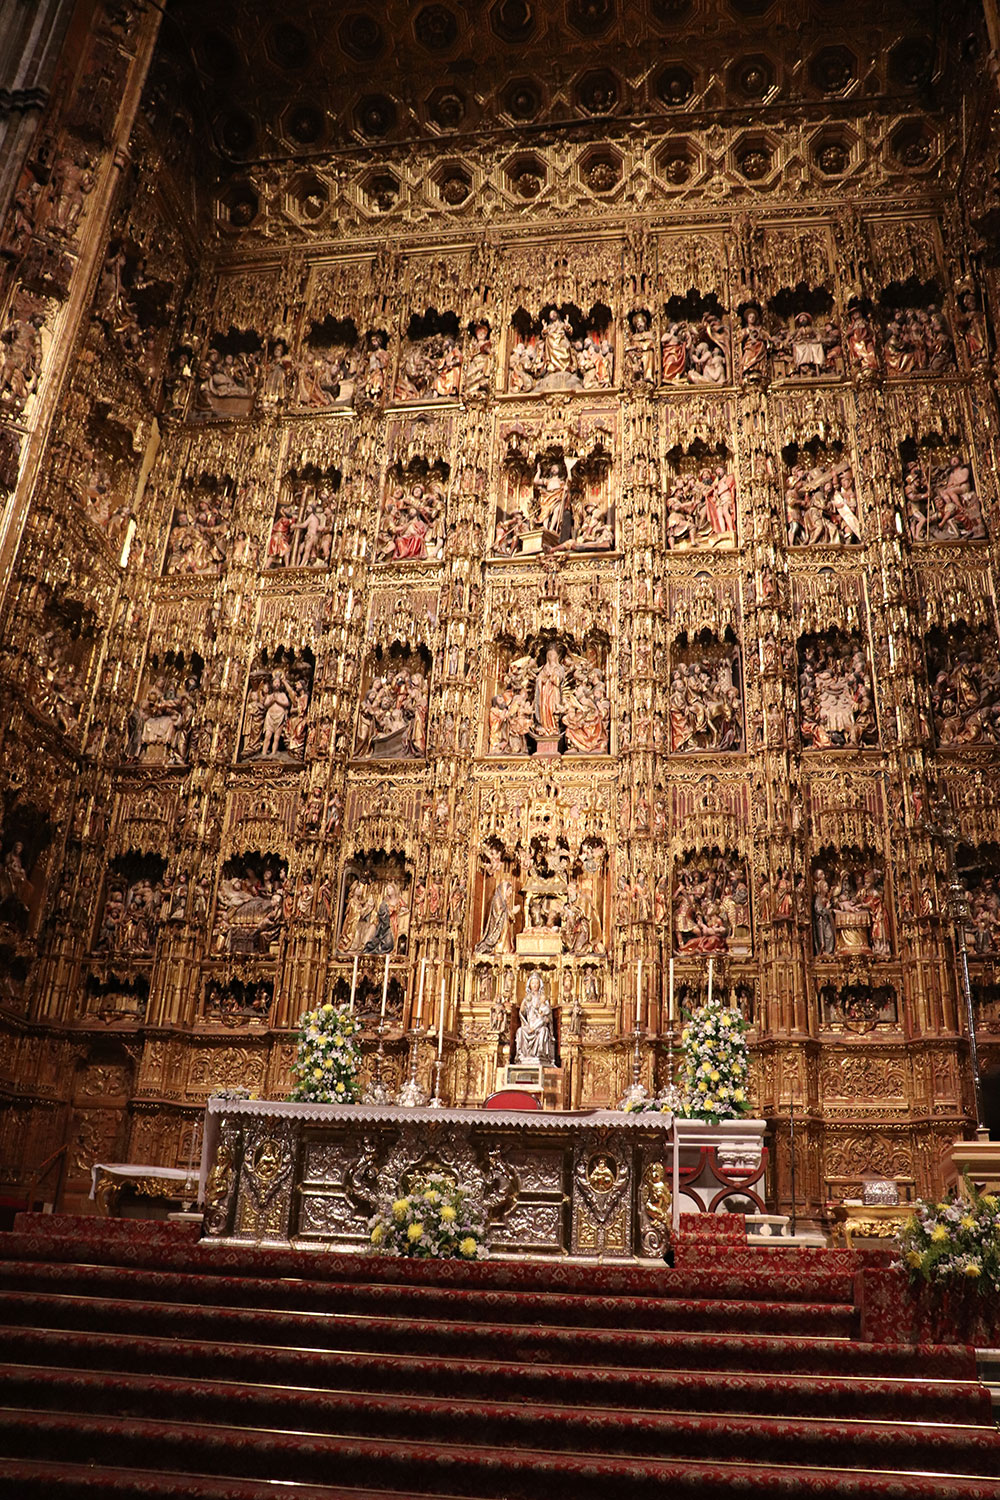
(437, 1102)
(635, 1094)
(413, 1094)
(378, 1091)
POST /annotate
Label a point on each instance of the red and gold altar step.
(137, 1362)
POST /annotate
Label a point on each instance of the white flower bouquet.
(436, 1219)
(716, 1067)
(328, 1057)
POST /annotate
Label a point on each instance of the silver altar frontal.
(583, 1184)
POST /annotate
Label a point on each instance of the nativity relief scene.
(503, 548)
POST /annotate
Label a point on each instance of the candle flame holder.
(413, 1094)
(378, 1091)
(636, 1093)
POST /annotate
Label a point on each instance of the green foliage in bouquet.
(327, 1061)
(714, 1079)
(436, 1219)
(955, 1243)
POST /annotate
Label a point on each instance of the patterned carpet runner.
(137, 1362)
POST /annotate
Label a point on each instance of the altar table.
(108, 1180)
(579, 1183)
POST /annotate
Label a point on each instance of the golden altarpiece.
(512, 487)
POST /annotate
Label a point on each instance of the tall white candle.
(420, 992)
(354, 985)
(670, 995)
(441, 1019)
(710, 962)
(638, 993)
(385, 985)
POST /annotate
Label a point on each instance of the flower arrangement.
(955, 1243)
(229, 1093)
(436, 1219)
(714, 1079)
(326, 1063)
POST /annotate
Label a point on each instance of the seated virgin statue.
(535, 1039)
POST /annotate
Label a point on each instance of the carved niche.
(821, 503)
(199, 539)
(430, 358)
(711, 904)
(412, 522)
(304, 516)
(561, 349)
(963, 668)
(836, 701)
(374, 912)
(849, 911)
(160, 724)
(939, 493)
(700, 502)
(250, 905)
(550, 697)
(392, 716)
(695, 347)
(135, 889)
(705, 694)
(917, 338)
(555, 495)
(277, 706)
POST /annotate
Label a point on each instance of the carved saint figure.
(756, 344)
(535, 1040)
(498, 929)
(640, 351)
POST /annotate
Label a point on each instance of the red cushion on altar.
(511, 1099)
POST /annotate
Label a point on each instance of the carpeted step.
(425, 1467)
(425, 1335)
(798, 1264)
(724, 1353)
(55, 1358)
(966, 1449)
(24, 1479)
(573, 1307)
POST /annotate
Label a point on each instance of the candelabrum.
(671, 1095)
(635, 1095)
(378, 1091)
(944, 829)
(413, 1094)
(437, 1102)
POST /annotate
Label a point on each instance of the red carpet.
(137, 1362)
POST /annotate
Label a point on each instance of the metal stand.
(671, 1095)
(437, 1102)
(413, 1094)
(378, 1092)
(791, 1148)
(945, 830)
(636, 1093)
